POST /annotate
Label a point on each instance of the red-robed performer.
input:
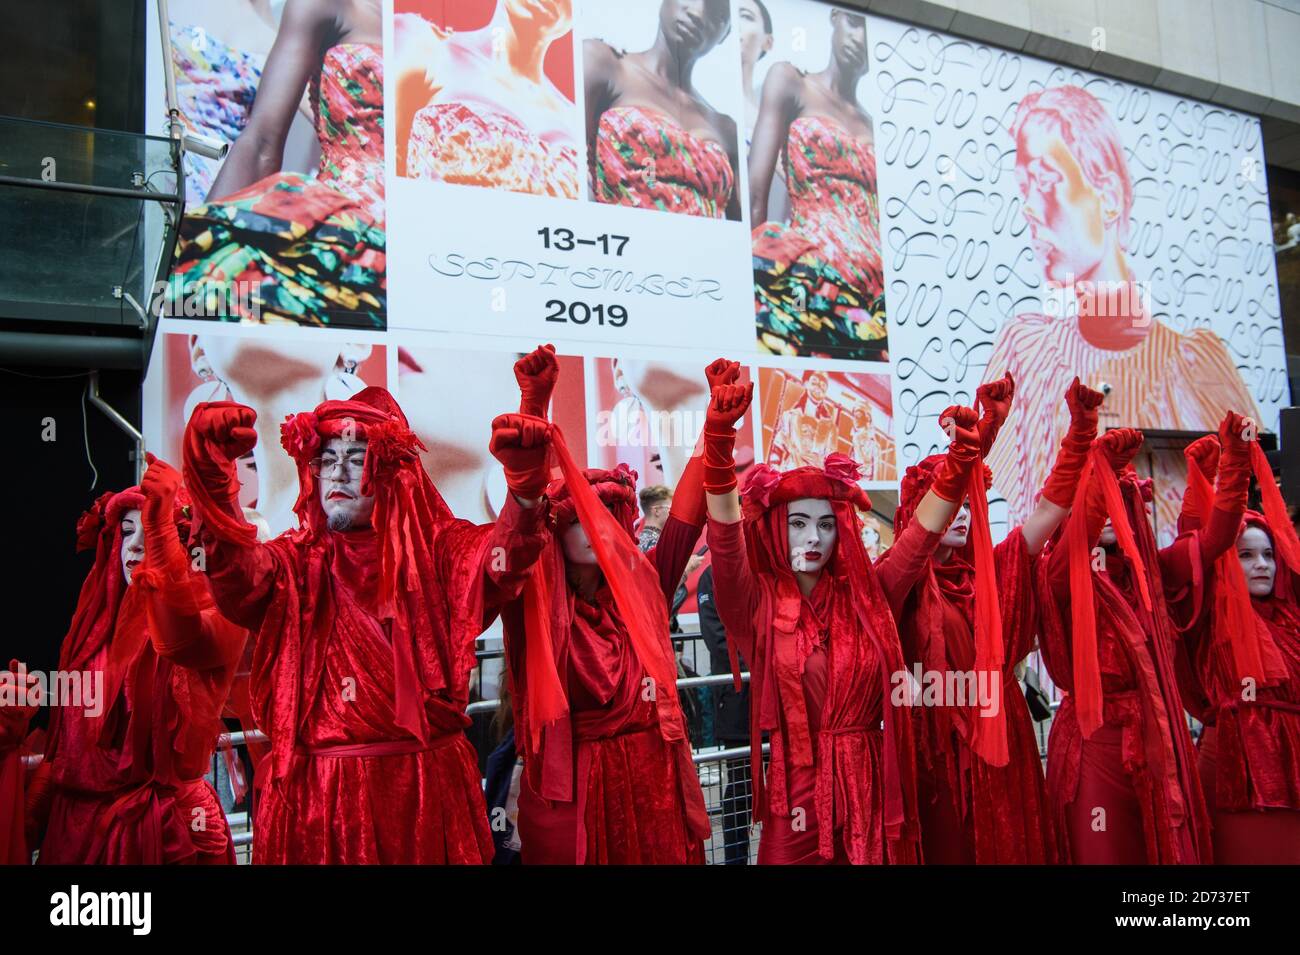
(973, 810)
(20, 697)
(608, 772)
(122, 781)
(1241, 614)
(814, 619)
(1121, 774)
(364, 619)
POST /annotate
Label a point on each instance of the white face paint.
(341, 465)
(959, 530)
(811, 532)
(577, 547)
(1107, 538)
(1255, 551)
(132, 542)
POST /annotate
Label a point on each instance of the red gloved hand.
(994, 397)
(721, 371)
(1120, 445)
(1083, 403)
(162, 545)
(159, 485)
(537, 372)
(727, 406)
(26, 695)
(1235, 437)
(950, 478)
(1061, 483)
(226, 428)
(1203, 454)
(521, 444)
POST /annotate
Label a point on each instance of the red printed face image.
(1072, 174)
(810, 415)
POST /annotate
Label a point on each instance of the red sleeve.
(734, 589)
(242, 577)
(671, 554)
(1182, 571)
(184, 623)
(1015, 595)
(899, 568)
(515, 541)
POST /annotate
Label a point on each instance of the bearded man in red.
(122, 782)
(365, 619)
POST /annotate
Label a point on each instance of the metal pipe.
(71, 351)
(86, 189)
(115, 416)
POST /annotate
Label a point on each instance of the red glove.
(950, 478)
(1119, 446)
(162, 546)
(727, 406)
(521, 443)
(1234, 463)
(218, 433)
(225, 428)
(537, 372)
(14, 718)
(1203, 453)
(722, 372)
(994, 397)
(1061, 482)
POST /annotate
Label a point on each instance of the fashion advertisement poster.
(288, 227)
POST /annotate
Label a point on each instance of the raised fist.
(537, 372)
(960, 424)
(226, 427)
(1120, 445)
(1236, 433)
(520, 443)
(1083, 403)
(159, 485)
(727, 406)
(1203, 453)
(721, 371)
(995, 397)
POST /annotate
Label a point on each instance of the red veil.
(604, 503)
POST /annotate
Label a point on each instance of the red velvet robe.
(971, 811)
(636, 796)
(1249, 753)
(844, 700)
(1139, 765)
(351, 786)
(132, 790)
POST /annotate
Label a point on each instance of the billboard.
(873, 217)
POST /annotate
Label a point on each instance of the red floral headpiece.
(837, 480)
(616, 489)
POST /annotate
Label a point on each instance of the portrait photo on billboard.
(649, 415)
(484, 94)
(274, 374)
(661, 85)
(452, 395)
(289, 227)
(819, 287)
(1047, 222)
(807, 415)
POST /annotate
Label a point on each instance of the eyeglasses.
(326, 466)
